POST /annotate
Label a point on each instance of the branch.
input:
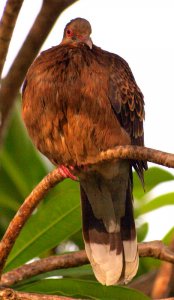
(172, 298)
(135, 153)
(7, 25)
(123, 152)
(163, 284)
(155, 249)
(44, 265)
(144, 283)
(24, 213)
(45, 20)
(10, 294)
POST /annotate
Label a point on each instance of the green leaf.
(169, 237)
(142, 231)
(152, 177)
(82, 272)
(8, 188)
(21, 168)
(8, 202)
(14, 172)
(19, 159)
(166, 199)
(147, 264)
(57, 219)
(77, 238)
(83, 288)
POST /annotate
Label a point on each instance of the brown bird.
(79, 100)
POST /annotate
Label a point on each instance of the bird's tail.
(109, 230)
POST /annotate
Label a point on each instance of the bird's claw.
(65, 172)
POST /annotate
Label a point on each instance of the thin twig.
(7, 24)
(24, 213)
(155, 249)
(10, 86)
(10, 294)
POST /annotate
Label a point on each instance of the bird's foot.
(66, 173)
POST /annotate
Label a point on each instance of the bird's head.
(77, 31)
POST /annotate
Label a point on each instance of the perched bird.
(79, 100)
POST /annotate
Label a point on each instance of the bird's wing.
(127, 102)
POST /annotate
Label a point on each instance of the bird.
(79, 100)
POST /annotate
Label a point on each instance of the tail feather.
(104, 257)
(129, 238)
(109, 231)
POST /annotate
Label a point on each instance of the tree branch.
(7, 25)
(44, 265)
(137, 153)
(45, 20)
(163, 283)
(172, 298)
(155, 249)
(10, 294)
(144, 283)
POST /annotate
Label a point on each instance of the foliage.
(58, 218)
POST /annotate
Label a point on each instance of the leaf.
(21, 169)
(77, 238)
(152, 177)
(83, 288)
(169, 237)
(19, 159)
(163, 200)
(81, 272)
(14, 172)
(147, 264)
(142, 231)
(57, 219)
(8, 202)
(8, 188)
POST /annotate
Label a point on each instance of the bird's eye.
(69, 32)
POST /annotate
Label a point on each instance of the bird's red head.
(77, 31)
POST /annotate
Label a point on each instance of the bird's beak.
(88, 42)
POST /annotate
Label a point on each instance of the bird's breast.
(67, 111)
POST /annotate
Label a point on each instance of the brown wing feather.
(128, 104)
